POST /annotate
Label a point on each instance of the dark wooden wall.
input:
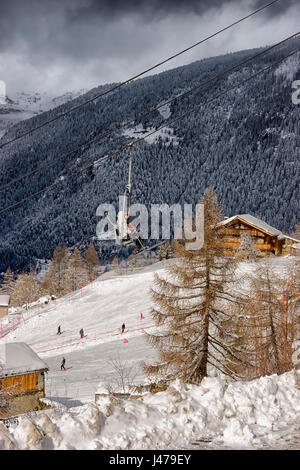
(23, 383)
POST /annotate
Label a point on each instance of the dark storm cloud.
(34, 20)
(65, 44)
(156, 7)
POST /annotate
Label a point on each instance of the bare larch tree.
(192, 305)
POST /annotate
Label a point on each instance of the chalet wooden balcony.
(237, 232)
(259, 246)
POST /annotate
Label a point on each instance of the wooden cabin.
(295, 249)
(4, 304)
(265, 238)
(22, 373)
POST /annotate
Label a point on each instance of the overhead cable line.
(147, 113)
(189, 111)
(119, 85)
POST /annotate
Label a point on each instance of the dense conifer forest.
(245, 145)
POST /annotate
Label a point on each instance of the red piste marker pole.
(142, 316)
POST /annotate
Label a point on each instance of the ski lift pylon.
(124, 232)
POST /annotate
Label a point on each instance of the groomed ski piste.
(263, 413)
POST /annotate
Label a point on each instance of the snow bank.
(238, 414)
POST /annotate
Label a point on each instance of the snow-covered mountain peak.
(24, 105)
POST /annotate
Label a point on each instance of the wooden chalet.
(22, 375)
(4, 304)
(267, 239)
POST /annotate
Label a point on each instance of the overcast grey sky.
(62, 45)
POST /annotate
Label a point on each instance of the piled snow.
(242, 414)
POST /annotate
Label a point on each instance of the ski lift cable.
(147, 113)
(128, 187)
(189, 111)
(134, 77)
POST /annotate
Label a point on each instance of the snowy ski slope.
(100, 309)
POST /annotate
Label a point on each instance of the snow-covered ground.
(100, 309)
(165, 111)
(263, 413)
(166, 135)
(218, 414)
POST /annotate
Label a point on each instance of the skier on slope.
(62, 367)
(58, 331)
(123, 328)
(81, 332)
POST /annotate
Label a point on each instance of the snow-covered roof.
(283, 236)
(250, 219)
(4, 300)
(253, 221)
(19, 358)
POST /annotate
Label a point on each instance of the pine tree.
(92, 261)
(265, 295)
(48, 283)
(56, 278)
(32, 272)
(296, 233)
(247, 247)
(165, 252)
(8, 284)
(275, 313)
(77, 271)
(27, 289)
(190, 308)
(114, 266)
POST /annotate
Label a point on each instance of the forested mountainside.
(245, 145)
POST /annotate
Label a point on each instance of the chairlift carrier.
(125, 234)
